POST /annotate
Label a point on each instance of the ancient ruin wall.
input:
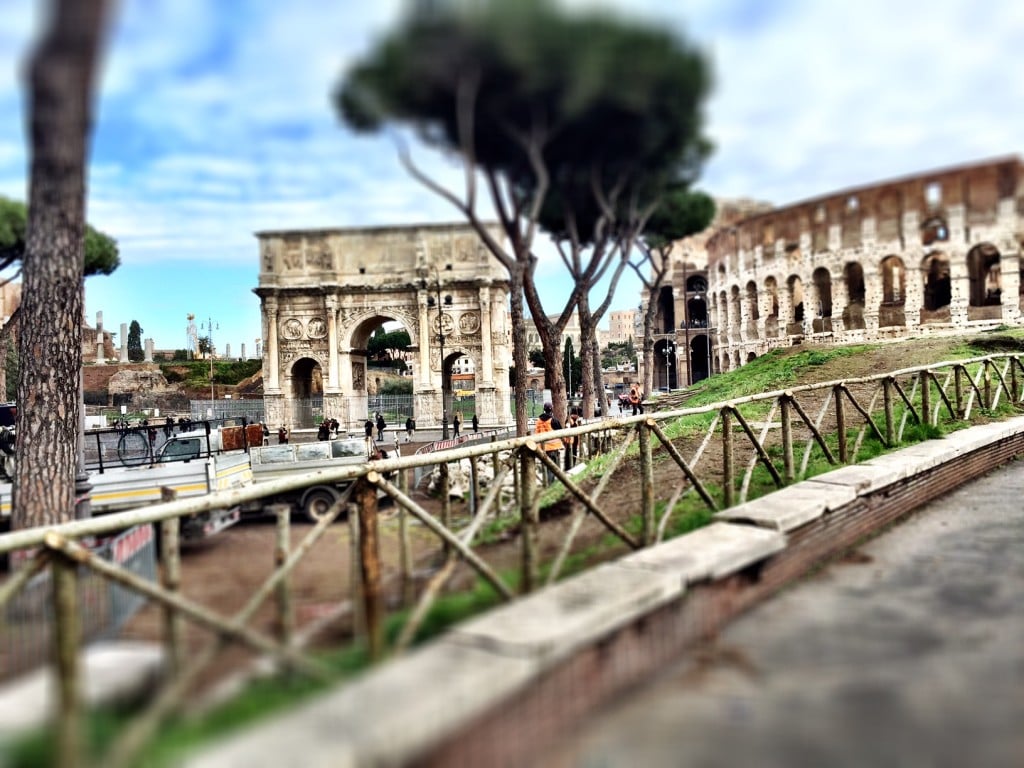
(935, 253)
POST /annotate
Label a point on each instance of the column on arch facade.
(812, 300)
(333, 371)
(486, 353)
(840, 298)
(424, 339)
(272, 351)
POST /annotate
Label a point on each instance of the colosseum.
(933, 253)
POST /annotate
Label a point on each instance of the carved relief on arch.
(291, 329)
(289, 356)
(350, 316)
(469, 323)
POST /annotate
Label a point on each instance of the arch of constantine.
(324, 292)
(935, 253)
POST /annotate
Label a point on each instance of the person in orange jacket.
(547, 422)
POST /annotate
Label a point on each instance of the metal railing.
(760, 442)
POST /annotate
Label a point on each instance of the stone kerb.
(477, 681)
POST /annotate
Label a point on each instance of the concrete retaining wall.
(497, 689)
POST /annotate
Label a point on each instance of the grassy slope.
(811, 364)
(804, 364)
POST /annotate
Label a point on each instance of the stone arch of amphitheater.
(935, 253)
(324, 292)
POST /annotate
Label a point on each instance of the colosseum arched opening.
(853, 311)
(666, 316)
(700, 358)
(795, 325)
(753, 314)
(771, 320)
(697, 312)
(894, 292)
(985, 279)
(934, 229)
(823, 287)
(938, 290)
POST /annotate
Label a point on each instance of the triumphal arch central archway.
(324, 292)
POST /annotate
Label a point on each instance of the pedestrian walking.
(282, 435)
(168, 427)
(456, 423)
(636, 399)
(476, 423)
(572, 444)
(381, 426)
(410, 428)
(547, 422)
(368, 427)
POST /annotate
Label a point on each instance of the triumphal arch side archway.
(323, 292)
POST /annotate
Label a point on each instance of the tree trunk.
(520, 358)
(550, 335)
(648, 341)
(588, 333)
(49, 342)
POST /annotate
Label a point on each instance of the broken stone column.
(124, 342)
(100, 359)
(149, 351)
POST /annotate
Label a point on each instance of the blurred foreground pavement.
(909, 652)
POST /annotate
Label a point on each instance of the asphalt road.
(910, 654)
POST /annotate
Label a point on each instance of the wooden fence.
(718, 455)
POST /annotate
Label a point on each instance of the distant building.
(622, 326)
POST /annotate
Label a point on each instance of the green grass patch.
(774, 370)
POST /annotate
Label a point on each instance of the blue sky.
(213, 122)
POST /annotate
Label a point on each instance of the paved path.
(910, 653)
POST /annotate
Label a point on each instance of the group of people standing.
(457, 424)
(328, 429)
(547, 422)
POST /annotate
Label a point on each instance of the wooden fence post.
(1014, 386)
(474, 486)
(926, 397)
(529, 514)
(404, 550)
(890, 420)
(356, 573)
(285, 609)
(728, 480)
(446, 503)
(646, 483)
(170, 577)
(987, 379)
(786, 417)
(958, 389)
(67, 635)
(837, 397)
(369, 560)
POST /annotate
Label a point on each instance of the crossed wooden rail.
(819, 419)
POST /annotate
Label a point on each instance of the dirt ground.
(223, 572)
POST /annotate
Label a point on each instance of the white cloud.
(216, 123)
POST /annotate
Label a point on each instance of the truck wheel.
(317, 502)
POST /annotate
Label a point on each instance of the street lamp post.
(437, 301)
(669, 348)
(209, 343)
